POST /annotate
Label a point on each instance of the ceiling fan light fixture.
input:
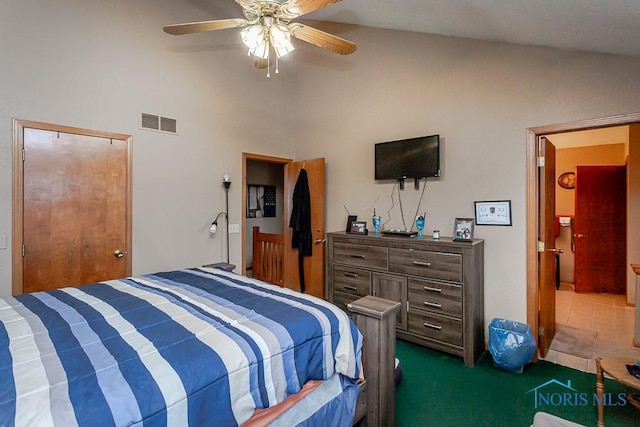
(260, 38)
(255, 39)
(280, 40)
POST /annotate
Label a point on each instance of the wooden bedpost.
(375, 318)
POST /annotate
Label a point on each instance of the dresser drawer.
(351, 280)
(340, 299)
(435, 297)
(360, 255)
(436, 265)
(437, 327)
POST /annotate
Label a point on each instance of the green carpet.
(439, 390)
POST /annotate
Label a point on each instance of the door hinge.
(23, 250)
(540, 246)
(407, 306)
(540, 161)
(540, 331)
(23, 155)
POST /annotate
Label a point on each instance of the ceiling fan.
(267, 28)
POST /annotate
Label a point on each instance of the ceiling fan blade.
(198, 27)
(322, 39)
(295, 8)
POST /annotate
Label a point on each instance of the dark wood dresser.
(438, 283)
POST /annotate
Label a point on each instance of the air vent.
(158, 123)
(149, 121)
(168, 125)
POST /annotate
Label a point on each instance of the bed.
(192, 347)
(268, 256)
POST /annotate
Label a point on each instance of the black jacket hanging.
(300, 222)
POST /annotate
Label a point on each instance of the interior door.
(314, 264)
(76, 208)
(546, 236)
(600, 229)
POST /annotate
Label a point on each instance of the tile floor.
(607, 314)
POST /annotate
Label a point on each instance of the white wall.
(77, 64)
(98, 66)
(480, 97)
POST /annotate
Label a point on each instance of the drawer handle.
(351, 288)
(432, 326)
(422, 263)
(352, 275)
(432, 304)
(430, 289)
(357, 256)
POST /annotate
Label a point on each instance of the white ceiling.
(607, 26)
(586, 138)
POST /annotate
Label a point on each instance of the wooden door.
(600, 229)
(546, 237)
(314, 264)
(76, 208)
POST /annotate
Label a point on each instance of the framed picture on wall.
(567, 180)
(493, 213)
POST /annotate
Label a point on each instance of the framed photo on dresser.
(463, 229)
(358, 227)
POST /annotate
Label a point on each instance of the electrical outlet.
(234, 228)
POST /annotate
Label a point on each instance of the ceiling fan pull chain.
(268, 64)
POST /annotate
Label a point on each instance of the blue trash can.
(511, 344)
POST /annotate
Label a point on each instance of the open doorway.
(261, 173)
(289, 267)
(538, 315)
(590, 210)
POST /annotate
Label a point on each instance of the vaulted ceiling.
(606, 26)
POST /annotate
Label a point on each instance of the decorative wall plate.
(567, 180)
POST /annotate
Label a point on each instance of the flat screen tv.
(408, 158)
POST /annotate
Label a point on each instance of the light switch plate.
(234, 228)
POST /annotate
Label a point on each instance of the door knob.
(556, 250)
(118, 253)
(317, 241)
(579, 235)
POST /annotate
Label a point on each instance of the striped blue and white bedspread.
(197, 347)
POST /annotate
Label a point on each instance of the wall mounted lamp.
(214, 224)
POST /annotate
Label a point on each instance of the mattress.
(192, 347)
